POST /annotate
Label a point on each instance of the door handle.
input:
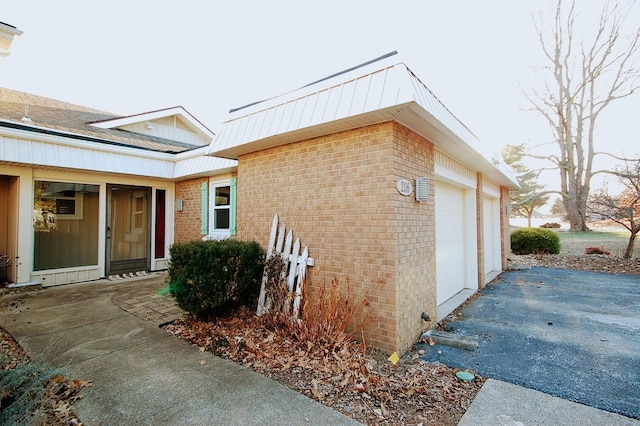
(108, 232)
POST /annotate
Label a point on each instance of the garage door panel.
(450, 240)
(492, 246)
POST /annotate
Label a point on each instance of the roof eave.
(319, 130)
(469, 153)
(196, 164)
(9, 29)
(410, 115)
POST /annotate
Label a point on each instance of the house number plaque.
(404, 187)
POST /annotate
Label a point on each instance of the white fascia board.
(190, 120)
(184, 165)
(96, 146)
(36, 149)
(203, 166)
(10, 30)
(196, 163)
(353, 99)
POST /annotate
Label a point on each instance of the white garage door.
(492, 251)
(450, 240)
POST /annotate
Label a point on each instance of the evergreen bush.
(209, 278)
(535, 241)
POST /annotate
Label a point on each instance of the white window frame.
(217, 234)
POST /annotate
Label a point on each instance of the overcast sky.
(133, 56)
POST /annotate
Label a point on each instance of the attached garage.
(491, 232)
(451, 241)
(456, 233)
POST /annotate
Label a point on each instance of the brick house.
(341, 160)
(383, 183)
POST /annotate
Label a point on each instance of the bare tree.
(583, 78)
(623, 208)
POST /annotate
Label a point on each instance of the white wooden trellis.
(295, 270)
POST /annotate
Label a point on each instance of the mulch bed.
(363, 385)
(591, 262)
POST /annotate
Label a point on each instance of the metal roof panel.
(378, 92)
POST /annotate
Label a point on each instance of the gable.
(172, 127)
(171, 123)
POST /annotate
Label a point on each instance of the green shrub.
(209, 278)
(535, 241)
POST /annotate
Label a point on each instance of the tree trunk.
(576, 208)
(628, 253)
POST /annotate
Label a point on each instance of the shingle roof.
(74, 121)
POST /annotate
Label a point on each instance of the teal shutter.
(232, 207)
(204, 218)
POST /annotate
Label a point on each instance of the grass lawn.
(612, 237)
(576, 242)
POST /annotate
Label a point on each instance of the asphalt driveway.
(571, 334)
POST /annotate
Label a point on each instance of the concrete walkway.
(107, 332)
(504, 404)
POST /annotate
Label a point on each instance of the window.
(60, 199)
(65, 225)
(222, 209)
(139, 210)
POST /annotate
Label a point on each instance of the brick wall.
(188, 221)
(416, 237)
(338, 193)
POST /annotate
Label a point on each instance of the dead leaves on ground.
(59, 397)
(55, 405)
(364, 386)
(594, 262)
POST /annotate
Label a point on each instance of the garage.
(491, 238)
(455, 234)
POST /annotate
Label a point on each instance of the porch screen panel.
(130, 227)
(65, 224)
